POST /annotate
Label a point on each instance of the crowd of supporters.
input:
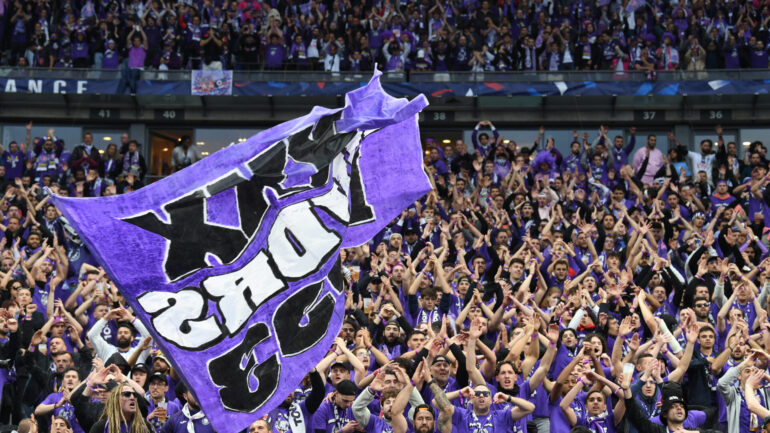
(427, 35)
(612, 289)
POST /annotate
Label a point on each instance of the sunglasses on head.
(482, 393)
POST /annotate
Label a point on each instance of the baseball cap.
(158, 375)
(440, 358)
(141, 367)
(340, 364)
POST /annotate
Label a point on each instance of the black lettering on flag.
(294, 338)
(238, 371)
(316, 145)
(360, 211)
(186, 227)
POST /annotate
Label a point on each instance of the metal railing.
(414, 77)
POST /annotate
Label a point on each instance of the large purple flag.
(232, 263)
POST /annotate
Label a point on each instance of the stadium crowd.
(427, 35)
(612, 289)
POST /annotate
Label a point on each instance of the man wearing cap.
(440, 371)
(335, 415)
(139, 373)
(160, 408)
(673, 414)
(190, 419)
(423, 416)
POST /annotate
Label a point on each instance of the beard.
(124, 344)
(424, 429)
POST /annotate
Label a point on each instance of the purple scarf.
(131, 161)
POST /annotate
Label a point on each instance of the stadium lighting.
(165, 149)
(106, 138)
(200, 143)
(446, 141)
(747, 143)
(205, 153)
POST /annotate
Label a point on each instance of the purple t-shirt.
(378, 425)
(467, 421)
(66, 411)
(330, 418)
(136, 56)
(559, 422)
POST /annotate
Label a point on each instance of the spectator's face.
(424, 421)
(560, 271)
(64, 360)
(479, 263)
(48, 145)
(706, 339)
(398, 273)
(124, 337)
(127, 401)
(429, 302)
(259, 426)
(58, 425)
(568, 339)
(348, 332)
(344, 401)
(33, 241)
(140, 377)
(391, 382)
(57, 330)
(71, 380)
(23, 297)
(416, 341)
(722, 188)
(363, 356)
(158, 388)
(160, 365)
(482, 399)
(506, 377)
(338, 373)
(100, 311)
(124, 138)
(677, 413)
(440, 371)
(596, 403)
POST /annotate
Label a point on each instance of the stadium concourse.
(610, 288)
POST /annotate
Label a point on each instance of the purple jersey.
(467, 421)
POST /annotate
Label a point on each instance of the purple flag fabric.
(232, 263)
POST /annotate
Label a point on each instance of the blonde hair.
(113, 412)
